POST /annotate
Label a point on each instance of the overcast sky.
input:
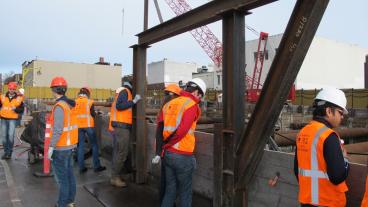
(83, 30)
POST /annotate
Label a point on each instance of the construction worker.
(120, 124)
(86, 125)
(64, 139)
(11, 106)
(321, 165)
(20, 93)
(365, 198)
(180, 116)
(171, 91)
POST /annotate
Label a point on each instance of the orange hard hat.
(173, 88)
(58, 82)
(12, 85)
(87, 89)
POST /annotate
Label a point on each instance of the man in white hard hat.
(320, 165)
(180, 116)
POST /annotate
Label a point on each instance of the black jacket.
(337, 167)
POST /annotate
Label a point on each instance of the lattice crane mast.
(203, 35)
(254, 88)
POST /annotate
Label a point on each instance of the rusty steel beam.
(288, 138)
(293, 48)
(366, 72)
(139, 138)
(233, 36)
(197, 17)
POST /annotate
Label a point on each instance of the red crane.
(254, 88)
(213, 48)
(203, 35)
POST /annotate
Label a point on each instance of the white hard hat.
(333, 95)
(200, 83)
(127, 84)
(119, 89)
(21, 91)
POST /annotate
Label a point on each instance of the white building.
(327, 63)
(39, 73)
(212, 79)
(167, 71)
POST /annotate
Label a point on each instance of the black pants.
(307, 205)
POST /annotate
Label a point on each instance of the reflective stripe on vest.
(8, 106)
(314, 173)
(70, 126)
(173, 113)
(122, 116)
(178, 118)
(84, 114)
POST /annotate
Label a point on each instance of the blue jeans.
(7, 134)
(91, 133)
(63, 168)
(179, 172)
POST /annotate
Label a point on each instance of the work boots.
(118, 182)
(5, 157)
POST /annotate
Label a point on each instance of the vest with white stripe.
(172, 115)
(314, 185)
(69, 136)
(7, 108)
(83, 108)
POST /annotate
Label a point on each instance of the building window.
(218, 80)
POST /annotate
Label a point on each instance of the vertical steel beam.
(139, 138)
(366, 72)
(145, 20)
(233, 25)
(293, 48)
(217, 165)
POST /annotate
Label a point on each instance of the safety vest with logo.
(365, 198)
(83, 109)
(314, 185)
(172, 114)
(7, 109)
(123, 116)
(69, 136)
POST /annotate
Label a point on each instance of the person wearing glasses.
(321, 164)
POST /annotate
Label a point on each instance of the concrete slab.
(42, 192)
(133, 196)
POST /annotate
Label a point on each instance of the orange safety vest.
(7, 109)
(123, 116)
(314, 185)
(172, 115)
(69, 136)
(365, 198)
(83, 109)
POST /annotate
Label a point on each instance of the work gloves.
(137, 97)
(49, 153)
(156, 160)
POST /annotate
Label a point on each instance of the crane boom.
(203, 35)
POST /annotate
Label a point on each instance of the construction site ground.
(20, 188)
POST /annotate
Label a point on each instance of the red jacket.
(187, 120)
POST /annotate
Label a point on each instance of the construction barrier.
(45, 93)
(46, 162)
